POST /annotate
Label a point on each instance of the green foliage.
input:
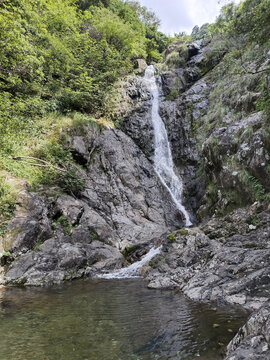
(253, 18)
(199, 33)
(254, 186)
(63, 222)
(174, 93)
(58, 57)
(6, 254)
(178, 56)
(171, 238)
(250, 18)
(7, 200)
(127, 38)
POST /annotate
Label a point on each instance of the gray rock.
(140, 65)
(253, 339)
(29, 226)
(69, 207)
(193, 49)
(232, 267)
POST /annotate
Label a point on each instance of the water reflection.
(110, 320)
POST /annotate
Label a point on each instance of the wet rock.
(193, 49)
(30, 224)
(253, 339)
(231, 267)
(61, 259)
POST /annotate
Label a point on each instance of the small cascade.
(132, 271)
(163, 160)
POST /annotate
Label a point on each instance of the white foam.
(132, 271)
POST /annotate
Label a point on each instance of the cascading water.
(163, 161)
(133, 270)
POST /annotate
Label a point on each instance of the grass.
(8, 197)
(64, 223)
(47, 143)
(254, 186)
(127, 251)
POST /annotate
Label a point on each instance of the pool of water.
(111, 320)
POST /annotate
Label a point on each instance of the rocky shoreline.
(224, 264)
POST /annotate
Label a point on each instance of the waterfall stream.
(164, 168)
(133, 270)
(163, 160)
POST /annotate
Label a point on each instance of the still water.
(110, 320)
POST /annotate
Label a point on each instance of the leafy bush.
(178, 57)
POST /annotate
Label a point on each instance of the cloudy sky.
(183, 15)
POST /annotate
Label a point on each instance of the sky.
(183, 15)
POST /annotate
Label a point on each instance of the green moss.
(127, 251)
(172, 237)
(183, 232)
(11, 237)
(174, 93)
(94, 236)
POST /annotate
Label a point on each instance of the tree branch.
(44, 164)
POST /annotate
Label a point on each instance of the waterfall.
(163, 161)
(133, 270)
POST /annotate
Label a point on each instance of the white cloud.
(183, 15)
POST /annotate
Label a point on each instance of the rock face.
(227, 260)
(123, 204)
